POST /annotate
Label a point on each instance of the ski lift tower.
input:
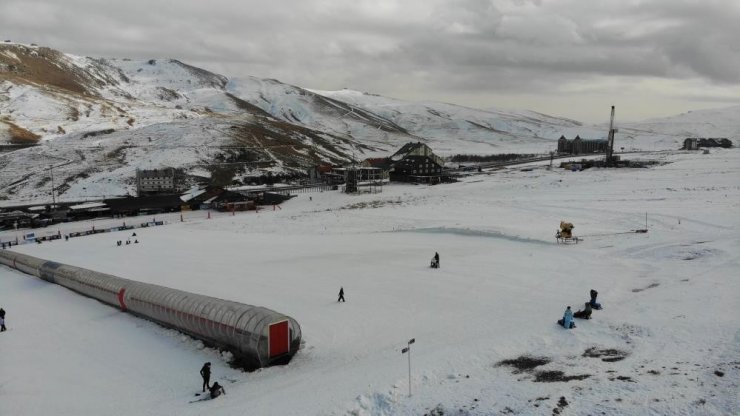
(610, 144)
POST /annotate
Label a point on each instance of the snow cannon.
(565, 233)
(566, 229)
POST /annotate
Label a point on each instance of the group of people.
(128, 240)
(214, 390)
(567, 320)
(2, 320)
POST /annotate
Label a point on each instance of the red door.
(279, 338)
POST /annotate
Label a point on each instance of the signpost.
(408, 350)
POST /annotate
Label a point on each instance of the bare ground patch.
(557, 376)
(608, 355)
(524, 363)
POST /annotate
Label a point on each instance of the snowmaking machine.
(565, 233)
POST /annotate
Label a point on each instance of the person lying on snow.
(585, 313)
(567, 321)
(216, 390)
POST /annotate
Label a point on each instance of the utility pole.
(53, 198)
(408, 350)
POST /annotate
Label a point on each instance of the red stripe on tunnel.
(121, 293)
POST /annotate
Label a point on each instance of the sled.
(566, 240)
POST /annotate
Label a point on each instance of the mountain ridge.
(97, 120)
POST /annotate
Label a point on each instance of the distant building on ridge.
(579, 146)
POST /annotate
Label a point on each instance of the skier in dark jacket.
(217, 390)
(435, 261)
(585, 313)
(2, 320)
(593, 302)
(205, 372)
(341, 295)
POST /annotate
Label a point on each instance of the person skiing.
(216, 390)
(567, 321)
(205, 372)
(341, 295)
(585, 313)
(593, 302)
(436, 260)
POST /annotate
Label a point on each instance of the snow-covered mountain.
(98, 120)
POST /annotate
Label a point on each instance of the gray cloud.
(479, 51)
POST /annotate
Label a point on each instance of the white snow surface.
(671, 300)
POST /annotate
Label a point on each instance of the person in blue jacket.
(567, 321)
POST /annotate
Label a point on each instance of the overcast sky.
(571, 58)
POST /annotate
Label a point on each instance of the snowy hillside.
(451, 129)
(301, 106)
(455, 129)
(670, 132)
(667, 341)
(83, 112)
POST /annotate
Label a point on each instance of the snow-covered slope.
(669, 132)
(666, 343)
(453, 129)
(297, 105)
(66, 104)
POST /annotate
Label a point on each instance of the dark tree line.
(503, 157)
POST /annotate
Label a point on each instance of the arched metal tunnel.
(257, 336)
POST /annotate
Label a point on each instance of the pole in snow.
(408, 350)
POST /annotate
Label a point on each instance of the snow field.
(670, 296)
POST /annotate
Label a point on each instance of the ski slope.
(671, 301)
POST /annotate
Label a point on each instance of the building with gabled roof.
(416, 162)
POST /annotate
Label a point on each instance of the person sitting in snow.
(567, 321)
(435, 261)
(593, 302)
(585, 313)
(217, 390)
